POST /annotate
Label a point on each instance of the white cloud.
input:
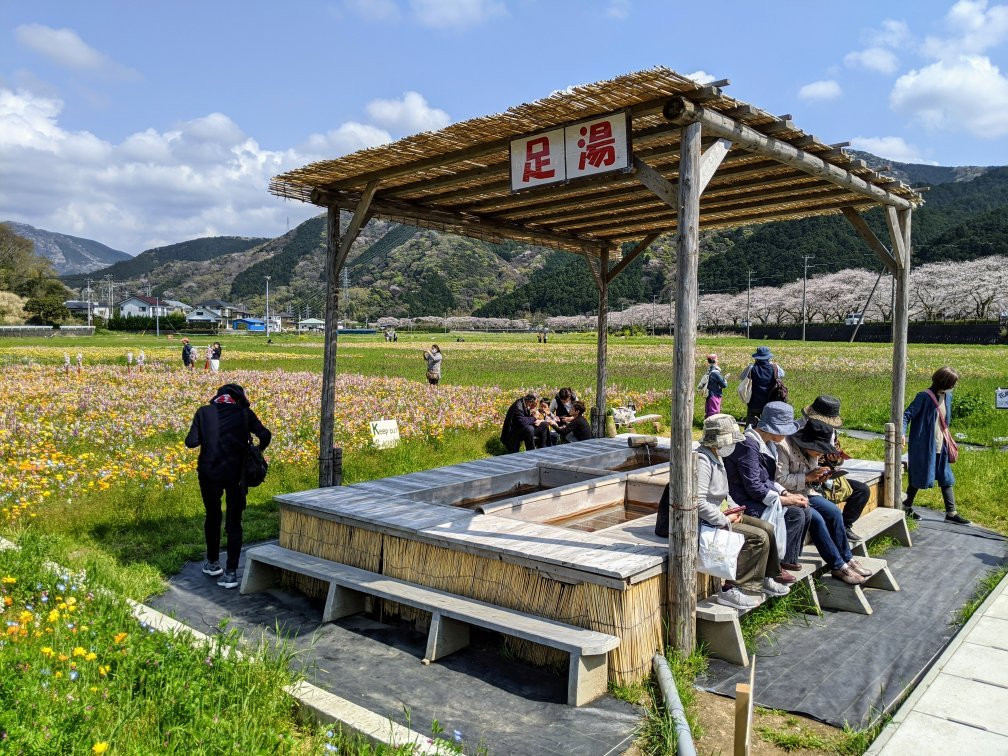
(701, 77)
(456, 14)
(874, 59)
(820, 90)
(64, 47)
(198, 178)
(619, 9)
(967, 94)
(894, 34)
(974, 28)
(407, 115)
(892, 147)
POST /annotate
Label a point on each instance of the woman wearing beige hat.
(759, 572)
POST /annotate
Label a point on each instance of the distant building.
(255, 325)
(226, 310)
(311, 324)
(174, 306)
(203, 316)
(282, 321)
(143, 307)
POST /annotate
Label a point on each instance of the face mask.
(726, 451)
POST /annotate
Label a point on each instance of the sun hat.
(826, 409)
(762, 353)
(777, 417)
(712, 357)
(720, 430)
(816, 436)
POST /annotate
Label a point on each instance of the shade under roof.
(457, 179)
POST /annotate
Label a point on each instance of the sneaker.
(735, 598)
(910, 514)
(772, 588)
(229, 580)
(852, 537)
(213, 569)
(786, 578)
(957, 518)
(859, 568)
(847, 575)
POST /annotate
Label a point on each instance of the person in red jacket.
(221, 431)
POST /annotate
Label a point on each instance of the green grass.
(792, 736)
(984, 588)
(658, 732)
(758, 624)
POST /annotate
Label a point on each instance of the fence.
(919, 332)
(44, 331)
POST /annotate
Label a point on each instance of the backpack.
(704, 381)
(778, 391)
(256, 466)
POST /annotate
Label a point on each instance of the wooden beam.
(896, 236)
(683, 521)
(601, 364)
(778, 126)
(464, 223)
(358, 220)
(654, 181)
(901, 320)
(632, 255)
(711, 159)
(680, 110)
(865, 232)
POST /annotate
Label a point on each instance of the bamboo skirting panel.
(634, 615)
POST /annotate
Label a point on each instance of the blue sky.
(142, 124)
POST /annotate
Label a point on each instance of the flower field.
(66, 436)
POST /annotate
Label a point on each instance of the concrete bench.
(451, 615)
(718, 625)
(882, 521)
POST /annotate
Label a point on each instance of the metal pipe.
(684, 738)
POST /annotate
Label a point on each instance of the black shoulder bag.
(256, 466)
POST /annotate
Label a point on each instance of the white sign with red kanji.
(597, 146)
(537, 160)
(587, 148)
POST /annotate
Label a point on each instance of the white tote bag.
(745, 387)
(717, 552)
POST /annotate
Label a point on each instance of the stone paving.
(961, 705)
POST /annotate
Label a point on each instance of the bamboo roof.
(457, 179)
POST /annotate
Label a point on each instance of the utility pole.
(267, 306)
(89, 301)
(804, 313)
(654, 314)
(748, 299)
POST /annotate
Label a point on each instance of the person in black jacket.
(519, 425)
(578, 429)
(221, 431)
(188, 355)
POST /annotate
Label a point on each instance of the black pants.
(855, 503)
(526, 435)
(211, 491)
(948, 496)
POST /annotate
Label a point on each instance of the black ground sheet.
(508, 706)
(846, 668)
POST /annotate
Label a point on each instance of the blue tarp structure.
(249, 324)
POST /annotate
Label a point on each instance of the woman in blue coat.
(928, 455)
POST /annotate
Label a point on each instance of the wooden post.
(603, 341)
(683, 508)
(327, 469)
(899, 231)
(744, 698)
(892, 485)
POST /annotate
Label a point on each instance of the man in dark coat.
(221, 431)
(519, 425)
(188, 356)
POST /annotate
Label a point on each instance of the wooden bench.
(882, 521)
(451, 615)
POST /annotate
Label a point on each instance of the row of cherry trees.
(975, 290)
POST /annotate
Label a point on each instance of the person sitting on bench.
(853, 494)
(758, 570)
(519, 425)
(578, 428)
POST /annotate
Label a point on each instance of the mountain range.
(404, 271)
(69, 254)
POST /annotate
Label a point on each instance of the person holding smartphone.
(759, 571)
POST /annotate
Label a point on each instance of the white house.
(143, 307)
(311, 324)
(176, 306)
(203, 315)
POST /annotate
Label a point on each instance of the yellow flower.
(79, 651)
(100, 747)
(53, 616)
(26, 616)
(8, 601)
(47, 651)
(120, 637)
(8, 580)
(91, 656)
(103, 670)
(62, 657)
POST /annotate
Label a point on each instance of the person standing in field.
(766, 383)
(433, 357)
(215, 355)
(221, 431)
(188, 354)
(714, 384)
(932, 449)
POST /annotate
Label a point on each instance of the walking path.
(961, 705)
